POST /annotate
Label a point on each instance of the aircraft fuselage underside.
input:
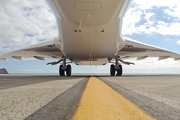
(88, 28)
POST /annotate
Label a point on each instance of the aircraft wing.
(135, 49)
(38, 51)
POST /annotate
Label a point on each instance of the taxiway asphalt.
(46, 97)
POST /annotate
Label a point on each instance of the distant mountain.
(3, 71)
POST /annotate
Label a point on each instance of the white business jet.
(90, 34)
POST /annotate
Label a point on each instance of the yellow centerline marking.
(100, 102)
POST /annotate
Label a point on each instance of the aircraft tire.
(112, 70)
(119, 71)
(61, 71)
(68, 70)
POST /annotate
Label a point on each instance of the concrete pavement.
(44, 97)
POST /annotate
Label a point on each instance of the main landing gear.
(114, 69)
(63, 68)
(117, 67)
(66, 69)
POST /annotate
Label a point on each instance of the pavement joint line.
(101, 102)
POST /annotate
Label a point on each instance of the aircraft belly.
(99, 61)
(90, 30)
(94, 42)
(97, 12)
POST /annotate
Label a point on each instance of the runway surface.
(45, 97)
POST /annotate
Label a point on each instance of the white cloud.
(148, 15)
(162, 28)
(133, 16)
(24, 23)
(178, 42)
(175, 12)
(148, 4)
(129, 21)
(168, 29)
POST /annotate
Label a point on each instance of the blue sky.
(27, 22)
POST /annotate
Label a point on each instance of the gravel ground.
(21, 101)
(163, 88)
